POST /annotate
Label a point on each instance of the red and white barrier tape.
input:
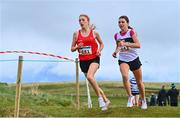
(37, 53)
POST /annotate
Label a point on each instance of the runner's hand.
(121, 43)
(79, 45)
(114, 55)
(98, 53)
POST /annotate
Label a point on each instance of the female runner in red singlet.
(86, 41)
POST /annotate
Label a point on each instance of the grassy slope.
(58, 99)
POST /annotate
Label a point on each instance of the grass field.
(58, 100)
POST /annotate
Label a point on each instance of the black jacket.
(173, 93)
(162, 95)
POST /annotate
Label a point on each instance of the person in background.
(89, 45)
(153, 100)
(172, 95)
(134, 91)
(127, 44)
(162, 96)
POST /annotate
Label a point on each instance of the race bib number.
(85, 50)
(124, 48)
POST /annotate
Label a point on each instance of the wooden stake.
(18, 87)
(77, 85)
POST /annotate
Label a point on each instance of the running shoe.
(130, 101)
(144, 104)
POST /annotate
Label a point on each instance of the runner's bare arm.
(74, 47)
(99, 40)
(101, 45)
(117, 50)
(136, 43)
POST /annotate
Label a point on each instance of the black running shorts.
(84, 65)
(134, 65)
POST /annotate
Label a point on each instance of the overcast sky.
(48, 25)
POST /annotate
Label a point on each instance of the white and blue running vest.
(131, 54)
(134, 87)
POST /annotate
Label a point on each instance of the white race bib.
(124, 48)
(85, 50)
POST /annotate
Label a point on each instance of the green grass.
(58, 100)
